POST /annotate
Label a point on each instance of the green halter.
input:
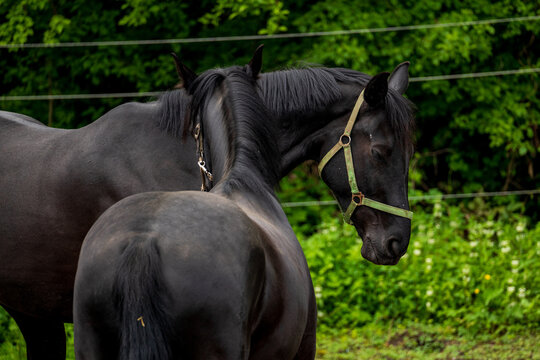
(358, 199)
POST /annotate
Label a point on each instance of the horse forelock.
(400, 112)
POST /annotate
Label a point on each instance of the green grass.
(423, 342)
(414, 341)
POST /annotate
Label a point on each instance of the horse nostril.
(393, 246)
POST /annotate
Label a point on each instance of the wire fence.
(50, 97)
(158, 93)
(269, 37)
(431, 197)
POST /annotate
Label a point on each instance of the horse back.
(7, 117)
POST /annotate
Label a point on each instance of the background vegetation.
(472, 265)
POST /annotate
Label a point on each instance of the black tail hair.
(141, 300)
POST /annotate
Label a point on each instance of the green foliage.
(245, 8)
(471, 269)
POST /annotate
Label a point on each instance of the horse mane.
(174, 105)
(256, 160)
(293, 92)
(312, 89)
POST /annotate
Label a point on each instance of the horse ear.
(255, 64)
(399, 79)
(185, 74)
(376, 89)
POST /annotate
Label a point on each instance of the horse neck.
(236, 147)
(304, 103)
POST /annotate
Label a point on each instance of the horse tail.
(141, 300)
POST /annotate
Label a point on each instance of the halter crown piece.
(358, 199)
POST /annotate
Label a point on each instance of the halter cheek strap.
(358, 199)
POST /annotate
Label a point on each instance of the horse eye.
(379, 154)
(376, 154)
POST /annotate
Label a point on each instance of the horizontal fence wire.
(269, 37)
(433, 197)
(157, 93)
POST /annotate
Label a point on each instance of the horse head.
(366, 162)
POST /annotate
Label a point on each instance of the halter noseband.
(358, 199)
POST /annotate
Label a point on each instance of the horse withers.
(197, 275)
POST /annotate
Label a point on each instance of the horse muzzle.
(384, 246)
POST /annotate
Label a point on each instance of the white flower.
(466, 279)
(417, 252)
(515, 271)
(429, 261)
(473, 243)
(511, 289)
(504, 243)
(488, 232)
(473, 254)
(466, 270)
(521, 293)
(515, 263)
(505, 250)
(429, 292)
(428, 304)
(428, 268)
(520, 227)
(320, 314)
(510, 281)
(431, 241)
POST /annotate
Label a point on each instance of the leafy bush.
(472, 269)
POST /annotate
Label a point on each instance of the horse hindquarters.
(149, 289)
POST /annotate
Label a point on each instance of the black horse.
(196, 275)
(55, 183)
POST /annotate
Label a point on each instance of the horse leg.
(45, 339)
(307, 348)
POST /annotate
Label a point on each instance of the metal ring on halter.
(345, 140)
